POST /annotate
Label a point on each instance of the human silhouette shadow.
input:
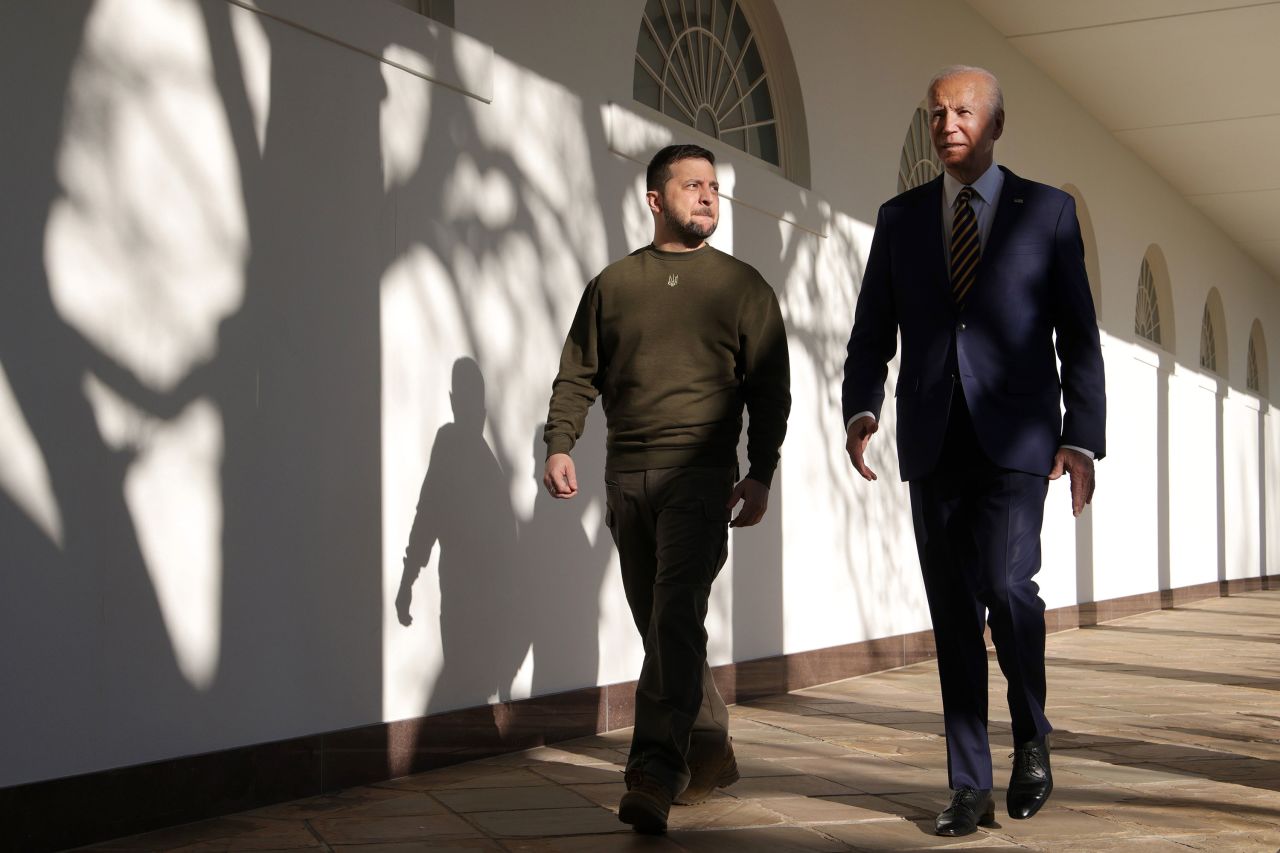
(465, 506)
(565, 629)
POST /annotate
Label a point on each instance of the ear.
(654, 198)
(999, 126)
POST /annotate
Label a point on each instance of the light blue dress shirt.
(986, 197)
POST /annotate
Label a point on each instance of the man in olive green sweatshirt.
(676, 338)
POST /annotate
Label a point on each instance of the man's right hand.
(559, 476)
(860, 432)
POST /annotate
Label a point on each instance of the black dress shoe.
(969, 809)
(1032, 780)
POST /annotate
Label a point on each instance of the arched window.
(919, 163)
(1146, 323)
(1208, 345)
(1251, 379)
(1213, 334)
(724, 67)
(1153, 314)
(1256, 362)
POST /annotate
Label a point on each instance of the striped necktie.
(965, 247)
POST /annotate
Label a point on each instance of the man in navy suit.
(978, 269)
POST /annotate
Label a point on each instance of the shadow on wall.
(211, 449)
(300, 479)
(506, 589)
(465, 507)
(80, 621)
(498, 229)
(178, 588)
(570, 543)
(868, 523)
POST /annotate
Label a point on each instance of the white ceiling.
(1191, 86)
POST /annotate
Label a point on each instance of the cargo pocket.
(718, 516)
(612, 494)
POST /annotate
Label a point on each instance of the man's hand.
(1080, 469)
(755, 500)
(860, 432)
(559, 476)
(403, 599)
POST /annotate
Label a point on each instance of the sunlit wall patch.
(146, 252)
(24, 476)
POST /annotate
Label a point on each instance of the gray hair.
(997, 99)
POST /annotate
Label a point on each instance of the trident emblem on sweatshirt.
(673, 280)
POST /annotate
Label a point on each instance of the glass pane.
(687, 59)
(645, 88)
(675, 99)
(763, 142)
(720, 16)
(654, 11)
(752, 66)
(1208, 346)
(707, 123)
(736, 118)
(705, 10)
(720, 76)
(1147, 316)
(737, 139)
(1251, 377)
(737, 34)
(759, 104)
(648, 50)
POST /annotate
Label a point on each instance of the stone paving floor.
(1168, 739)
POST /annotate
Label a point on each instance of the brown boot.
(708, 772)
(645, 804)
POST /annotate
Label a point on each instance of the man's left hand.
(755, 500)
(1080, 468)
(404, 599)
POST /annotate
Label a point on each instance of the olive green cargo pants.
(671, 527)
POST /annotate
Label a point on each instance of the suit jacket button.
(962, 327)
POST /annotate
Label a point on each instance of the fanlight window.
(698, 62)
(1208, 347)
(1147, 317)
(1252, 380)
(919, 163)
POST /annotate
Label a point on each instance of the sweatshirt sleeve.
(575, 387)
(766, 382)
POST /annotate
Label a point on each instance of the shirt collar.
(987, 187)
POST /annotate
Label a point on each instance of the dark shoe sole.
(694, 798)
(642, 817)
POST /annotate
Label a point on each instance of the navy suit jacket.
(1031, 283)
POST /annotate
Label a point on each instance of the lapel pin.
(1017, 201)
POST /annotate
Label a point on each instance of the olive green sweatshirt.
(676, 343)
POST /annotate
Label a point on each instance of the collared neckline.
(986, 187)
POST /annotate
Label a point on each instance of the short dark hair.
(659, 171)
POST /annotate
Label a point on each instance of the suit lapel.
(929, 223)
(1007, 212)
